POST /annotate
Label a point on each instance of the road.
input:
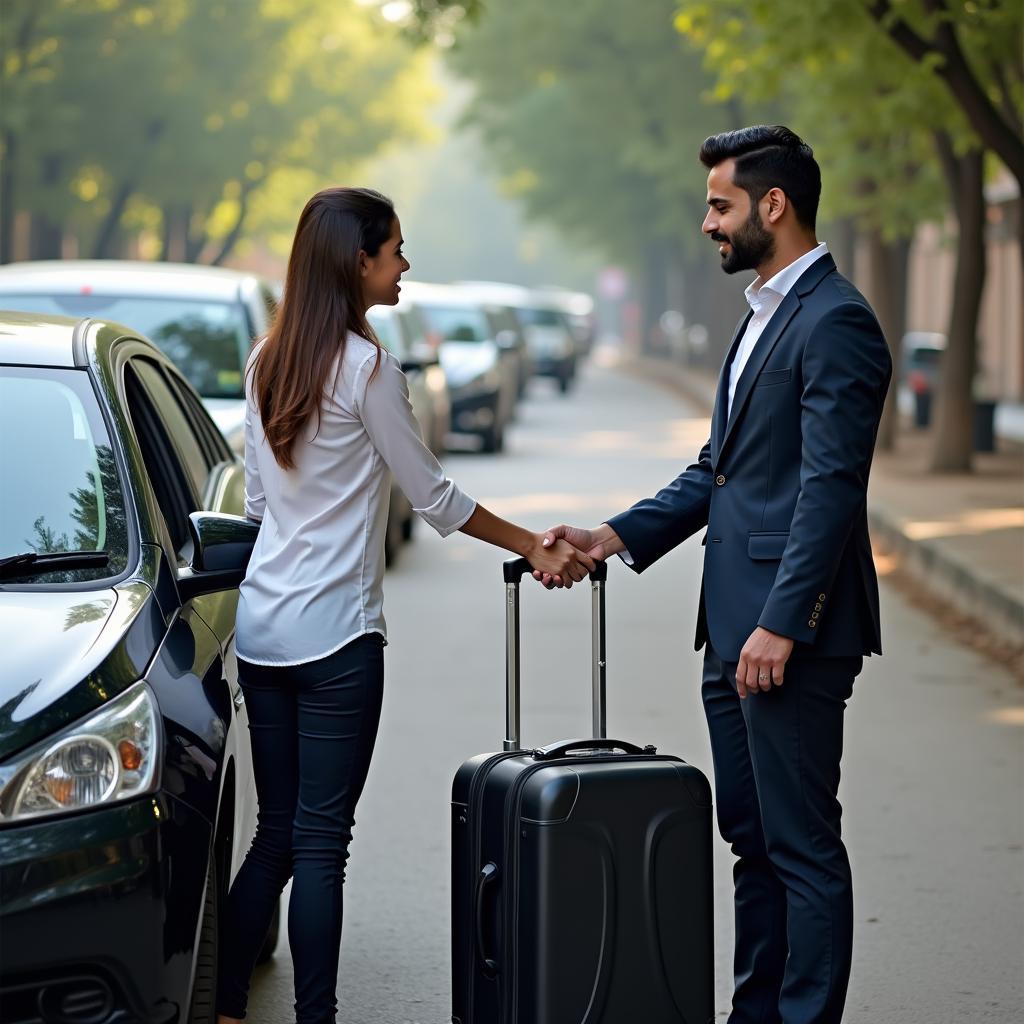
(933, 771)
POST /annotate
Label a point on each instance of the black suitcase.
(581, 873)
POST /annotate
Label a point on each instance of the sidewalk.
(959, 538)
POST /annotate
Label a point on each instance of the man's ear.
(777, 203)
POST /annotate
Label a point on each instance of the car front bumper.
(99, 913)
(474, 411)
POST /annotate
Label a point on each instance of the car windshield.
(208, 341)
(455, 324)
(60, 482)
(925, 357)
(385, 326)
(540, 318)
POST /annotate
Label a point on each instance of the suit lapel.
(805, 284)
(722, 394)
(762, 350)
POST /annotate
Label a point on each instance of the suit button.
(821, 597)
(811, 623)
(814, 615)
(720, 479)
(817, 607)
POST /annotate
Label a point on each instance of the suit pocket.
(767, 377)
(767, 547)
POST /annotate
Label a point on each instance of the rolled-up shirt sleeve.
(384, 407)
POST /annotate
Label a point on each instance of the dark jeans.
(776, 758)
(312, 728)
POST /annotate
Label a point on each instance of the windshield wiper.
(32, 563)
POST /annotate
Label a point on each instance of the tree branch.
(1003, 138)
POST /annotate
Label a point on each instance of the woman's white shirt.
(315, 579)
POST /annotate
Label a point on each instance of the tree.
(185, 118)
(890, 128)
(594, 113)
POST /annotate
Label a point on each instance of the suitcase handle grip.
(562, 748)
(516, 568)
(488, 874)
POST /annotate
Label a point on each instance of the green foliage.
(132, 108)
(869, 113)
(594, 113)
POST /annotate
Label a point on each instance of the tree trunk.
(888, 266)
(954, 412)
(45, 237)
(103, 248)
(653, 299)
(843, 245)
(7, 198)
(236, 232)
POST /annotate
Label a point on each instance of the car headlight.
(112, 755)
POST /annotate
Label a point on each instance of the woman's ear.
(364, 263)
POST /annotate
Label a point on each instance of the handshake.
(567, 553)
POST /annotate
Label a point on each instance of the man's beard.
(750, 246)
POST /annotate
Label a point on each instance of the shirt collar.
(784, 280)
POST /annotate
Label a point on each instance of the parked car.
(499, 303)
(401, 332)
(204, 318)
(549, 336)
(578, 310)
(482, 369)
(921, 357)
(126, 794)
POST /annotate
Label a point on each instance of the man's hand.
(558, 561)
(598, 544)
(762, 662)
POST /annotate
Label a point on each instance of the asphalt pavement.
(932, 776)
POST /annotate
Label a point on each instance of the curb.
(998, 612)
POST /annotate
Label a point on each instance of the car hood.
(229, 415)
(55, 644)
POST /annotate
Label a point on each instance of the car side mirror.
(421, 354)
(506, 340)
(221, 548)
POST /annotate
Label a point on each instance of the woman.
(327, 417)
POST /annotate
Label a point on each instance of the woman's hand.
(560, 561)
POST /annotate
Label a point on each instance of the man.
(789, 599)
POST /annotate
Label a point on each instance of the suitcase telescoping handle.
(514, 570)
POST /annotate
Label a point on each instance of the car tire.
(563, 383)
(202, 1007)
(493, 439)
(270, 942)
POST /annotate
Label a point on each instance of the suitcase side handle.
(566, 748)
(514, 569)
(488, 874)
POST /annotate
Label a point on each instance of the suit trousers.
(776, 759)
(313, 728)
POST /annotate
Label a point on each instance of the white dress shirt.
(315, 579)
(764, 298)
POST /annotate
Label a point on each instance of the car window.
(61, 486)
(164, 467)
(182, 436)
(215, 449)
(207, 341)
(455, 324)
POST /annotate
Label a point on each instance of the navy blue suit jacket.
(782, 485)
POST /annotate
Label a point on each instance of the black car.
(126, 794)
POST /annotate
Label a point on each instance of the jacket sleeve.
(654, 526)
(383, 403)
(846, 369)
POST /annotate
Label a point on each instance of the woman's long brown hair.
(322, 303)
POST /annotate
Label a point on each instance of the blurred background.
(540, 143)
(562, 335)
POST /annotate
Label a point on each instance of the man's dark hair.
(770, 156)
